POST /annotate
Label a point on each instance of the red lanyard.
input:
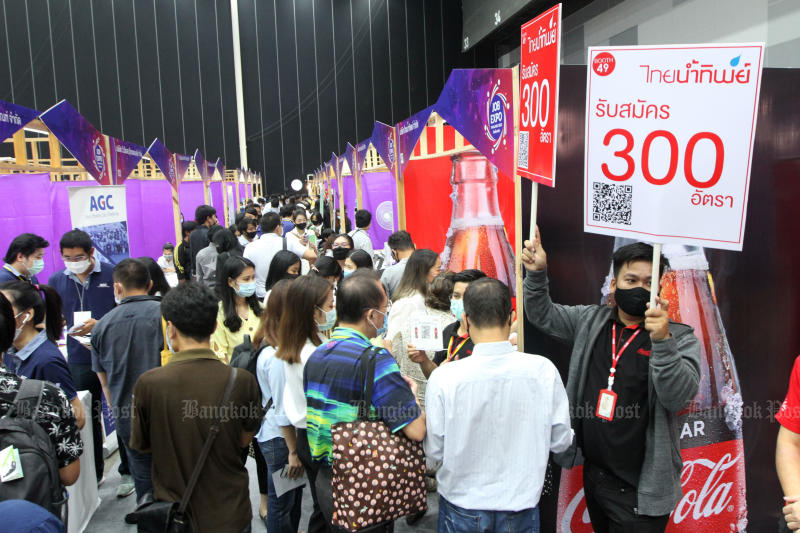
(450, 353)
(615, 356)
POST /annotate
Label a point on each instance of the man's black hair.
(637, 251)
(76, 239)
(244, 223)
(299, 211)
(273, 202)
(25, 244)
(468, 276)
(287, 210)
(270, 221)
(363, 218)
(192, 308)
(213, 231)
(358, 293)
(487, 303)
(203, 212)
(132, 274)
(251, 210)
(188, 227)
(400, 241)
(168, 246)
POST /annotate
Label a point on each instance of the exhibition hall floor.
(110, 516)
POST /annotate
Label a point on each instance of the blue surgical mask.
(348, 273)
(457, 308)
(380, 330)
(330, 320)
(246, 290)
(38, 266)
(169, 344)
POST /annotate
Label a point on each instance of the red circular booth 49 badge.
(603, 64)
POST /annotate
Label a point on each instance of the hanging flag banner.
(383, 141)
(479, 104)
(350, 159)
(182, 164)
(81, 138)
(102, 213)
(540, 60)
(219, 167)
(361, 154)
(202, 166)
(408, 133)
(126, 156)
(165, 161)
(13, 118)
(669, 142)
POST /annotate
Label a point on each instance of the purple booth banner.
(150, 222)
(478, 103)
(165, 161)
(126, 156)
(408, 133)
(191, 196)
(383, 141)
(215, 195)
(219, 166)
(82, 139)
(182, 164)
(13, 117)
(335, 193)
(49, 223)
(379, 197)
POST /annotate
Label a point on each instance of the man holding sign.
(631, 371)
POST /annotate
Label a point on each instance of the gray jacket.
(673, 381)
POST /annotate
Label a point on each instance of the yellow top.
(223, 341)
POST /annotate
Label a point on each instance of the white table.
(83, 496)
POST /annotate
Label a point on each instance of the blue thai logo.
(390, 147)
(496, 107)
(99, 155)
(171, 169)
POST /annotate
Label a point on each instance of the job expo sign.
(669, 141)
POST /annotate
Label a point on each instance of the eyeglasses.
(74, 259)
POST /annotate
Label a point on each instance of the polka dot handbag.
(377, 475)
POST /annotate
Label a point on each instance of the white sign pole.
(655, 279)
(534, 208)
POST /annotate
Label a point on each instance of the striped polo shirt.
(334, 385)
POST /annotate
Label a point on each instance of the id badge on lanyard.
(607, 399)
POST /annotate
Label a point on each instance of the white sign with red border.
(669, 141)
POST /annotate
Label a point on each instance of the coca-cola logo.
(576, 515)
(714, 496)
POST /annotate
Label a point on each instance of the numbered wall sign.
(540, 49)
(669, 141)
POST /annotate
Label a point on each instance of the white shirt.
(294, 396)
(261, 252)
(243, 240)
(493, 419)
(361, 240)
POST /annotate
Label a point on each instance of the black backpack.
(245, 356)
(41, 483)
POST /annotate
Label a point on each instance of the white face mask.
(36, 267)
(18, 331)
(169, 343)
(78, 267)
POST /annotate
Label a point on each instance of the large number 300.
(625, 155)
(534, 95)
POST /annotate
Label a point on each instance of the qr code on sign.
(522, 158)
(612, 203)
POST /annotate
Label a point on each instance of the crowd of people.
(287, 320)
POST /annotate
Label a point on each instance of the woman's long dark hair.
(415, 276)
(232, 268)
(278, 267)
(267, 333)
(298, 326)
(327, 267)
(45, 302)
(361, 259)
(157, 276)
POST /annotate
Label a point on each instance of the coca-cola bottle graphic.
(477, 237)
(713, 474)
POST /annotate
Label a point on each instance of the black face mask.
(340, 254)
(251, 235)
(292, 276)
(301, 226)
(632, 301)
